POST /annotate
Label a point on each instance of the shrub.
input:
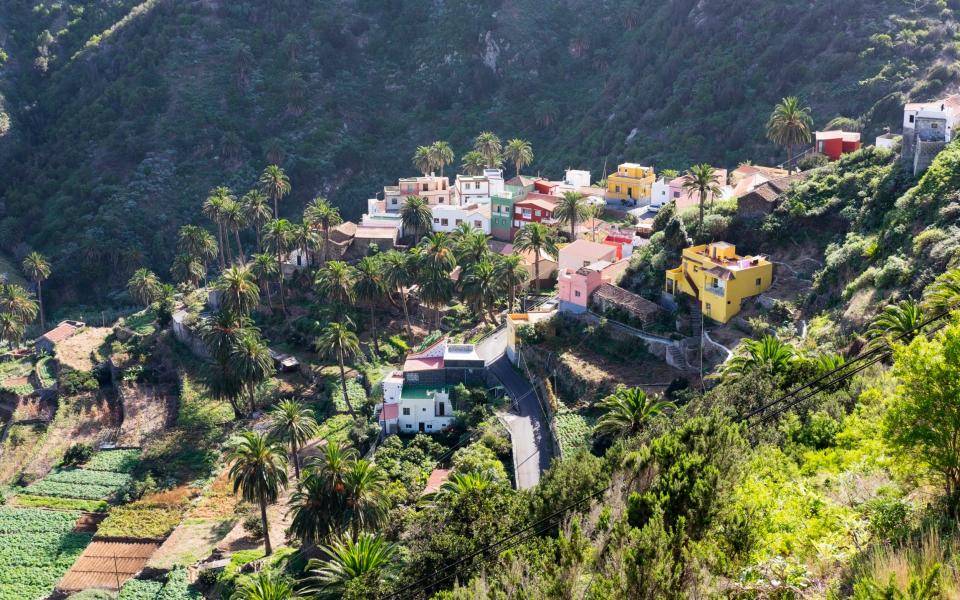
(76, 455)
(141, 520)
(253, 525)
(75, 382)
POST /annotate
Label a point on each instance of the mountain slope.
(143, 107)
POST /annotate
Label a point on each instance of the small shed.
(66, 329)
(609, 296)
(285, 363)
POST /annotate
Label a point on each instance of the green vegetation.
(80, 483)
(28, 501)
(174, 586)
(141, 520)
(573, 431)
(118, 461)
(38, 547)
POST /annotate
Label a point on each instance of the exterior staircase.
(676, 358)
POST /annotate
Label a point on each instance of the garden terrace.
(107, 565)
(36, 548)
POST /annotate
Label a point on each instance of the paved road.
(528, 429)
(491, 347)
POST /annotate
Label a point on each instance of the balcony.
(716, 291)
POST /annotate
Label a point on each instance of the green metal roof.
(420, 392)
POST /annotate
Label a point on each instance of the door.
(422, 430)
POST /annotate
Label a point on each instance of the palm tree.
(765, 352)
(235, 219)
(397, 276)
(572, 209)
(256, 210)
(265, 586)
(519, 152)
(480, 287)
(441, 155)
(144, 286)
(251, 361)
(471, 483)
(365, 494)
(37, 269)
(422, 160)
(188, 269)
(901, 321)
(221, 333)
(944, 293)
(278, 236)
(369, 287)
(275, 184)
(295, 424)
(321, 213)
(338, 341)
(593, 214)
(264, 267)
(319, 507)
(789, 125)
(511, 273)
(305, 238)
(197, 242)
(239, 290)
(628, 411)
(489, 146)
(11, 329)
(538, 239)
(470, 246)
(473, 163)
(364, 558)
(436, 288)
(437, 252)
(701, 180)
(214, 208)
(416, 216)
(335, 282)
(259, 473)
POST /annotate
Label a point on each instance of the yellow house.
(719, 278)
(630, 182)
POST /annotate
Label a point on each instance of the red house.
(835, 144)
(534, 208)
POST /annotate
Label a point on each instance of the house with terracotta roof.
(766, 197)
(534, 208)
(611, 297)
(47, 343)
(575, 286)
(584, 252)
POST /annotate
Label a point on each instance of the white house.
(577, 178)
(435, 190)
(448, 218)
(927, 128)
(659, 193)
(414, 408)
(477, 189)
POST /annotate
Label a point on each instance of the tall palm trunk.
(243, 258)
(536, 269)
(326, 240)
(373, 326)
(276, 209)
(259, 230)
(296, 458)
(227, 244)
(221, 256)
(283, 304)
(43, 321)
(267, 548)
(251, 395)
(343, 384)
(513, 297)
(702, 198)
(573, 230)
(266, 285)
(406, 313)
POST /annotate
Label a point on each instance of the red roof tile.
(390, 412)
(414, 364)
(62, 331)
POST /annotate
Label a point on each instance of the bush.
(76, 455)
(75, 382)
(253, 525)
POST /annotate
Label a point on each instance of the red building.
(534, 208)
(835, 144)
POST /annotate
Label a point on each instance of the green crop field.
(573, 430)
(176, 587)
(118, 461)
(36, 548)
(80, 483)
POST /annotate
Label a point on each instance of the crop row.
(176, 587)
(57, 503)
(61, 489)
(573, 431)
(118, 461)
(85, 476)
(139, 521)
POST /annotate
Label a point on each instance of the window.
(441, 409)
(424, 409)
(516, 223)
(576, 294)
(539, 213)
(436, 220)
(708, 306)
(413, 377)
(617, 190)
(758, 281)
(466, 186)
(444, 222)
(676, 194)
(518, 210)
(458, 221)
(393, 201)
(424, 187)
(478, 224)
(911, 118)
(406, 412)
(409, 426)
(299, 260)
(526, 213)
(429, 426)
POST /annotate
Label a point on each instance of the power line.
(878, 354)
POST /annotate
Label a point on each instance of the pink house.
(685, 199)
(575, 286)
(584, 252)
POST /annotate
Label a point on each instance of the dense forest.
(117, 117)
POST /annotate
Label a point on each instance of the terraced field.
(36, 548)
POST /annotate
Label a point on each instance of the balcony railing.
(716, 291)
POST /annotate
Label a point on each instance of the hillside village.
(468, 332)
